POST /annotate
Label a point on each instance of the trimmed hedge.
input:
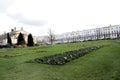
(5, 46)
(63, 58)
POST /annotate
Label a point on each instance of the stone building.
(14, 35)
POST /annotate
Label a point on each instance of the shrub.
(30, 40)
(9, 41)
(20, 40)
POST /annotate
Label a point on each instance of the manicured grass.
(102, 64)
(51, 49)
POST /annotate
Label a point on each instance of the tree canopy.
(9, 41)
(20, 40)
(30, 40)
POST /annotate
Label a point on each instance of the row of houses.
(108, 32)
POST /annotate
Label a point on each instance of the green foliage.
(101, 64)
(20, 40)
(9, 41)
(30, 40)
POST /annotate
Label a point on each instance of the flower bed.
(63, 58)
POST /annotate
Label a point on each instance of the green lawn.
(101, 64)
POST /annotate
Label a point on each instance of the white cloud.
(63, 15)
(6, 23)
(21, 19)
(4, 4)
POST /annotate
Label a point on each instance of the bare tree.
(73, 36)
(98, 33)
(67, 38)
(51, 36)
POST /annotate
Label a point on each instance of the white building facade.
(109, 32)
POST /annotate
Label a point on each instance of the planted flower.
(63, 58)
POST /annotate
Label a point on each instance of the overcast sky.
(37, 16)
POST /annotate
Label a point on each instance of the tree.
(30, 40)
(9, 41)
(67, 38)
(51, 36)
(20, 40)
(98, 33)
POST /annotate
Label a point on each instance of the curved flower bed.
(63, 58)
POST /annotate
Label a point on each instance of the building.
(14, 35)
(107, 32)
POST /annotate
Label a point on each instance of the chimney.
(14, 28)
(21, 28)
